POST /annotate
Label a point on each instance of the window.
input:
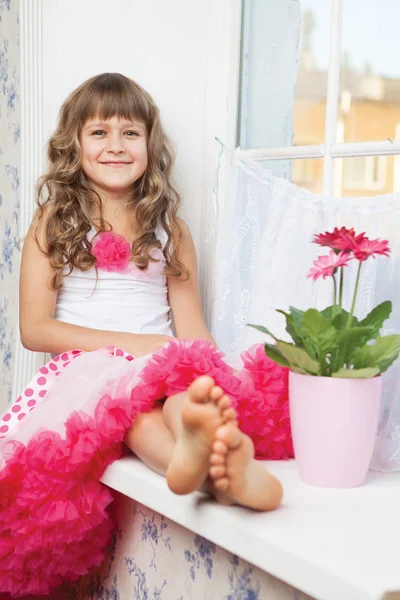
(365, 173)
(316, 87)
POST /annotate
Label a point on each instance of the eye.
(132, 133)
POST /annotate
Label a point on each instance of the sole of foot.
(205, 409)
(237, 477)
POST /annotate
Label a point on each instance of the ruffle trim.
(54, 513)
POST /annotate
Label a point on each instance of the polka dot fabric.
(38, 387)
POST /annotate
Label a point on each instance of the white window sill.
(330, 544)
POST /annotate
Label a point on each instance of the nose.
(115, 143)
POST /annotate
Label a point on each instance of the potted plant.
(336, 362)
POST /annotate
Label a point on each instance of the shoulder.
(184, 230)
(186, 252)
(183, 241)
(37, 229)
(183, 226)
(180, 233)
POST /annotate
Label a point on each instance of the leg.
(236, 473)
(151, 440)
(205, 428)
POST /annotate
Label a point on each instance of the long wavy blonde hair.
(64, 194)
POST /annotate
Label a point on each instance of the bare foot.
(236, 476)
(205, 408)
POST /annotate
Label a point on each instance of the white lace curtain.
(265, 253)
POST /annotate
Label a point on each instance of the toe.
(217, 458)
(222, 484)
(200, 389)
(217, 471)
(216, 393)
(229, 415)
(219, 447)
(224, 402)
(229, 434)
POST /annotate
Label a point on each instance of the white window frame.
(333, 146)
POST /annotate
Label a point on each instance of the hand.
(141, 344)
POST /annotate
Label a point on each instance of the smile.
(116, 165)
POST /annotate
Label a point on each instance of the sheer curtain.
(265, 253)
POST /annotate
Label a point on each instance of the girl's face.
(114, 154)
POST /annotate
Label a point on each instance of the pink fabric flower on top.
(112, 251)
(367, 248)
(325, 266)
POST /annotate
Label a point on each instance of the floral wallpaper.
(10, 153)
(157, 559)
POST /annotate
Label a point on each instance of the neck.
(115, 211)
(116, 198)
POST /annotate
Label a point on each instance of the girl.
(108, 273)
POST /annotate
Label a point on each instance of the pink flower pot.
(334, 425)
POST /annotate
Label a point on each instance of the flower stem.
(341, 286)
(334, 295)
(353, 304)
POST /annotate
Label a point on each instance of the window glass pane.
(306, 173)
(284, 72)
(312, 77)
(367, 175)
(369, 103)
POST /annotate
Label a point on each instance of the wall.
(10, 151)
(155, 558)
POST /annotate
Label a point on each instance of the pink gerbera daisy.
(325, 266)
(339, 239)
(366, 248)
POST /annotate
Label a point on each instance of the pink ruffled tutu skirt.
(68, 426)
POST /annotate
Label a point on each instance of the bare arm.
(40, 332)
(184, 296)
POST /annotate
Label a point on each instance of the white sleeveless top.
(133, 301)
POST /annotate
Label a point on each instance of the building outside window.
(320, 93)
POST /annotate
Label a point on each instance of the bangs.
(113, 95)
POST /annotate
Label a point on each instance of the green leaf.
(320, 331)
(298, 370)
(273, 353)
(338, 316)
(263, 330)
(377, 316)
(341, 319)
(293, 327)
(296, 315)
(322, 335)
(298, 357)
(356, 373)
(295, 323)
(381, 354)
(327, 313)
(348, 343)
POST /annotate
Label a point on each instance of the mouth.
(113, 163)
